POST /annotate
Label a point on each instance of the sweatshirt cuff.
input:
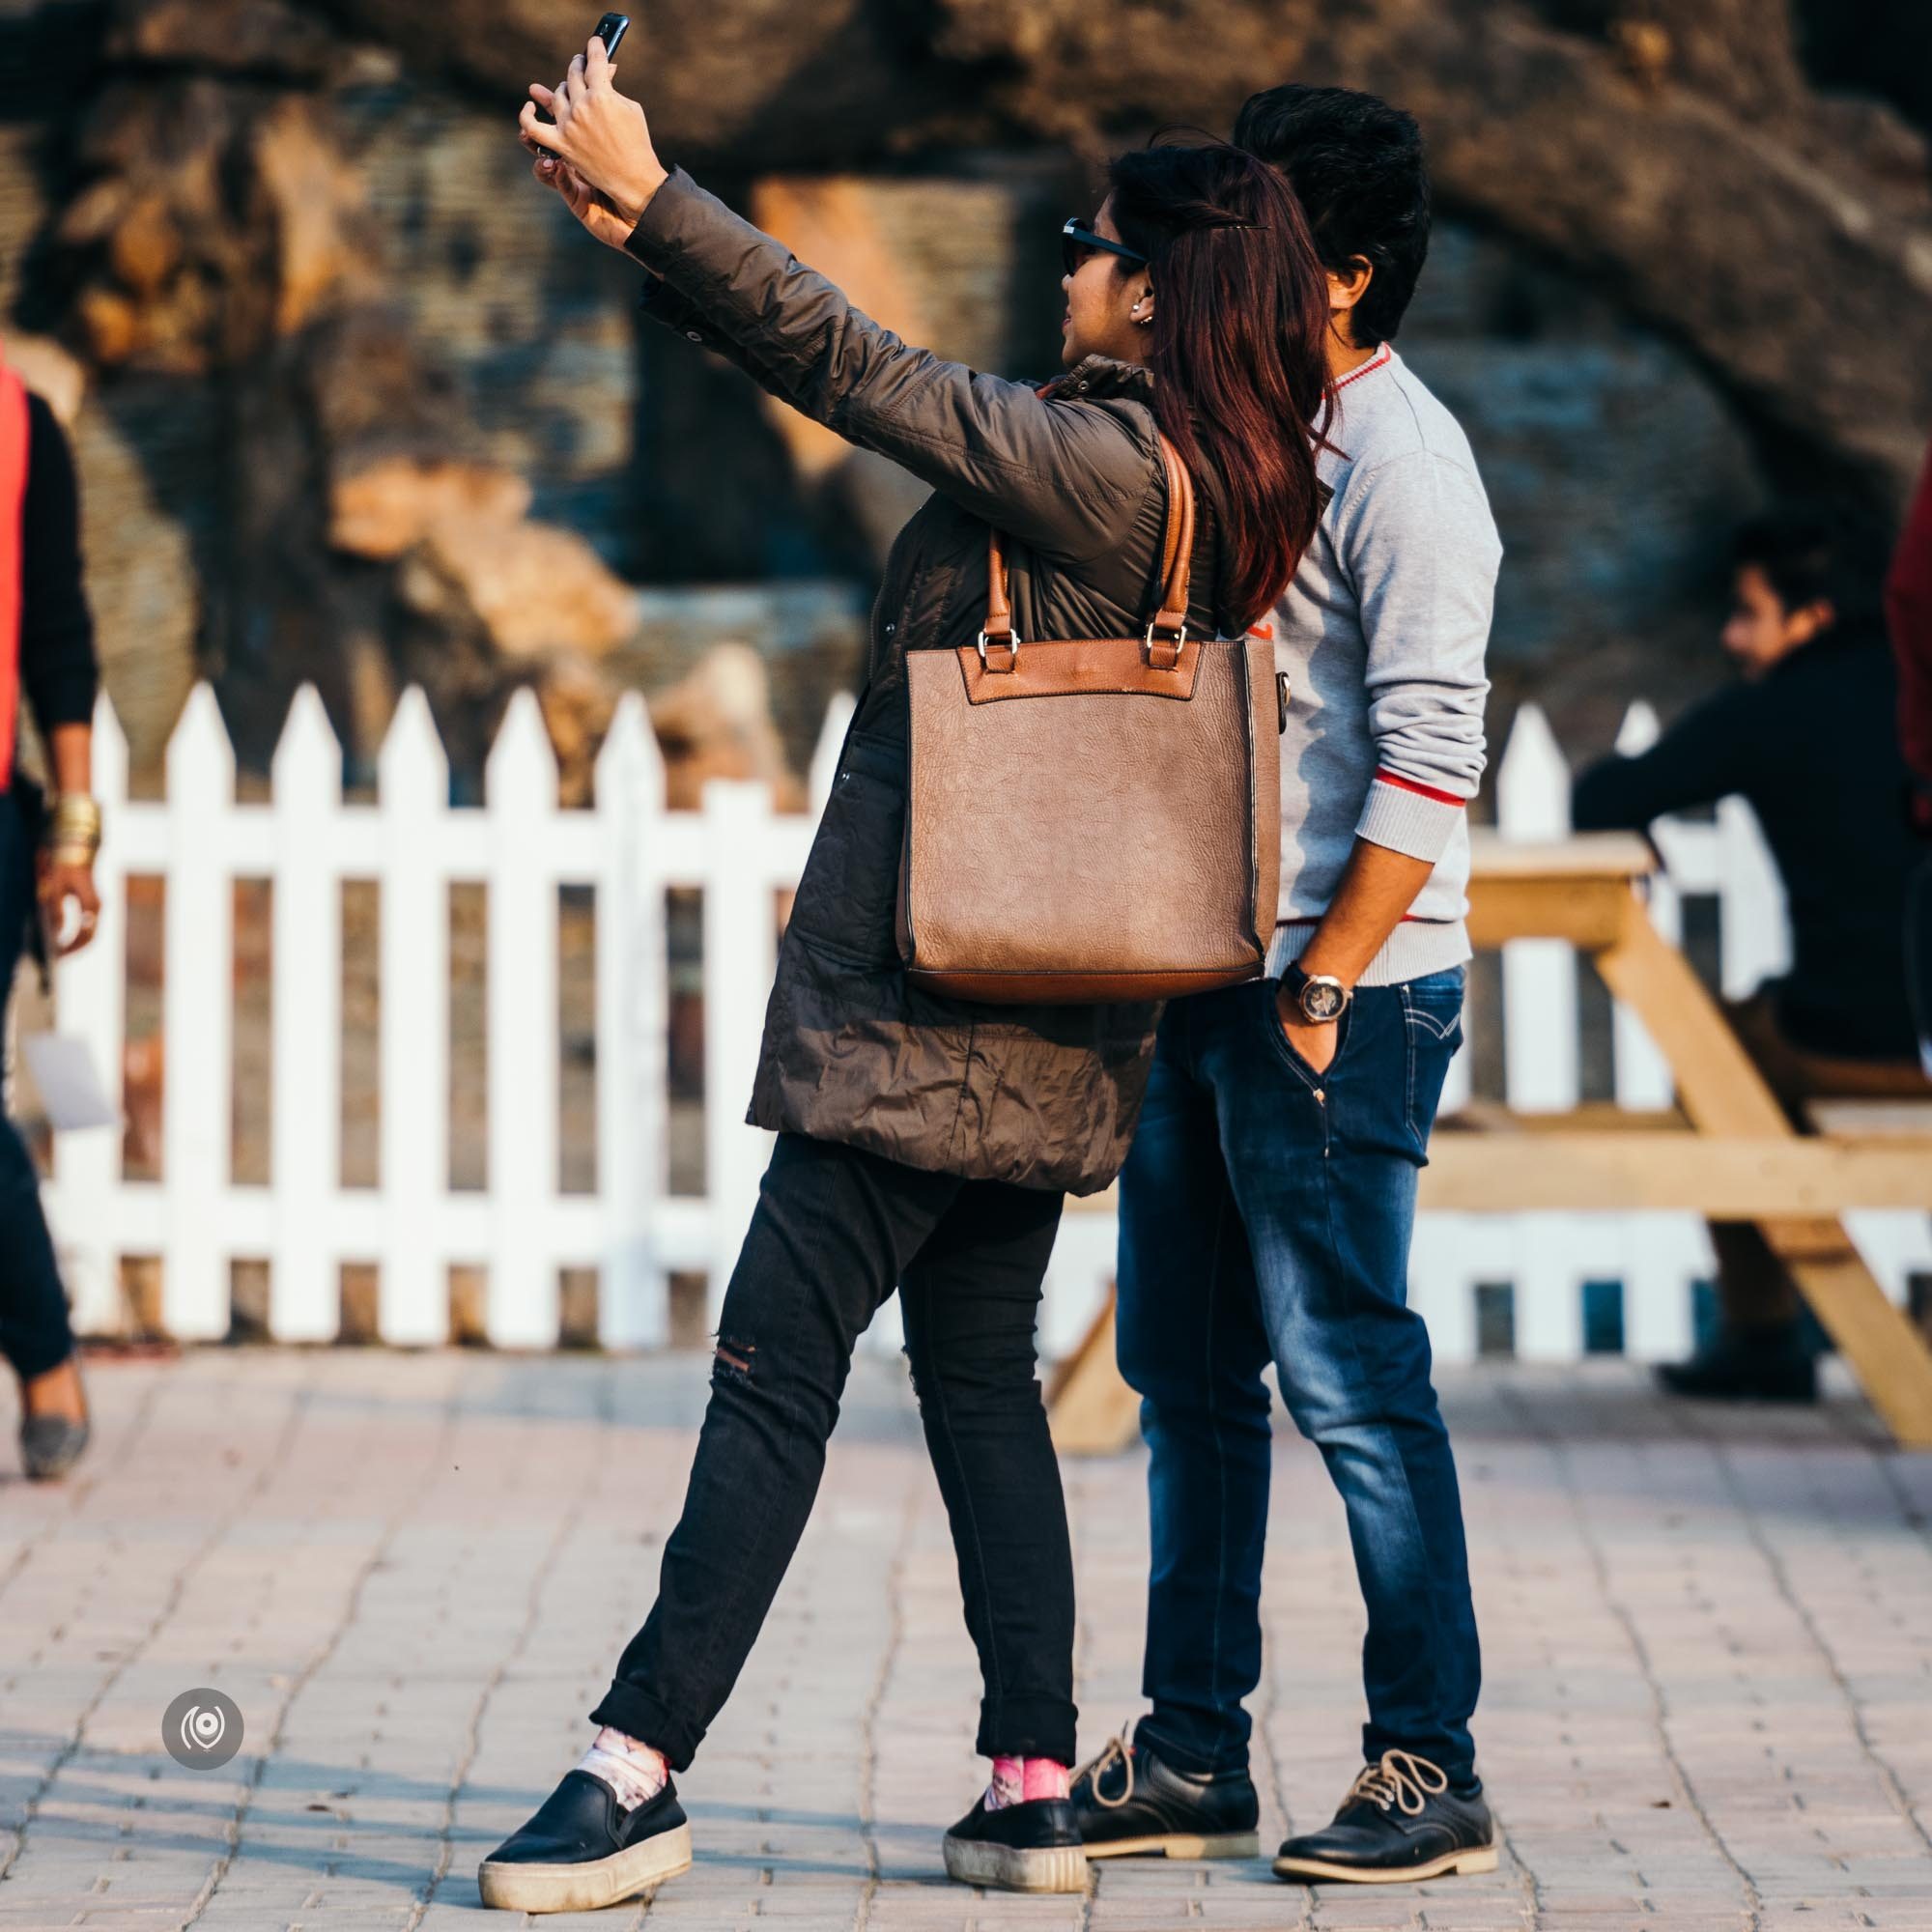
(1417, 820)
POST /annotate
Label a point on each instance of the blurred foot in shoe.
(1748, 1365)
(53, 1421)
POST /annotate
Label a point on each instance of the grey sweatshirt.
(1383, 634)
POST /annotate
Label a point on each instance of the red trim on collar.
(1381, 359)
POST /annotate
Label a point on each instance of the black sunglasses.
(1077, 241)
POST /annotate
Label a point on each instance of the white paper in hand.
(71, 1088)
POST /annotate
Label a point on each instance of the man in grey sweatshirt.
(1268, 1205)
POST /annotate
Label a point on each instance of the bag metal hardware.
(1173, 643)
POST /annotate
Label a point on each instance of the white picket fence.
(521, 1229)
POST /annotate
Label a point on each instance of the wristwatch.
(1321, 998)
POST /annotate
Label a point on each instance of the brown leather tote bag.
(1097, 820)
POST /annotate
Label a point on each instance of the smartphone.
(611, 30)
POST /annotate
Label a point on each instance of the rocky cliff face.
(356, 403)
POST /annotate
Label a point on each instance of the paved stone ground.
(1709, 1644)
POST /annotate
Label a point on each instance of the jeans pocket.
(1272, 1020)
(1432, 1028)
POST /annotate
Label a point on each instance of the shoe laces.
(1401, 1782)
(1116, 1751)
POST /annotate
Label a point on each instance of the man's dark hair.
(1802, 553)
(1356, 165)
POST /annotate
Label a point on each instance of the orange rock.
(716, 722)
(317, 199)
(111, 324)
(389, 508)
(146, 247)
(578, 699)
(535, 587)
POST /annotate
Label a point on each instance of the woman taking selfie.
(924, 1143)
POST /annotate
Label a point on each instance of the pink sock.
(1022, 1780)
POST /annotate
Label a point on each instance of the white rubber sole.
(1180, 1846)
(508, 1887)
(1051, 1868)
(1461, 1865)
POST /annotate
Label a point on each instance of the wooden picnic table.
(1730, 1152)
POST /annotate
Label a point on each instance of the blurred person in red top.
(48, 899)
(1908, 603)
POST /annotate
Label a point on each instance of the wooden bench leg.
(1723, 1093)
(1885, 1350)
(1092, 1411)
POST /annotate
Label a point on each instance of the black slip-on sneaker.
(1028, 1847)
(581, 1849)
(1399, 1823)
(1129, 1801)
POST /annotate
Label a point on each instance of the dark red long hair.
(1237, 346)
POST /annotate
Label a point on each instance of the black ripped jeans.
(835, 1232)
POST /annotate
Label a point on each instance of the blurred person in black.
(1908, 598)
(1808, 737)
(46, 872)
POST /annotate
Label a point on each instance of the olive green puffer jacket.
(1045, 1096)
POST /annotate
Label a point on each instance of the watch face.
(1322, 1000)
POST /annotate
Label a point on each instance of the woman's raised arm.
(1063, 477)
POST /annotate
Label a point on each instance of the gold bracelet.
(73, 830)
(78, 809)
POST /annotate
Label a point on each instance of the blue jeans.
(1265, 1212)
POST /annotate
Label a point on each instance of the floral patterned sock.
(633, 1770)
(1021, 1780)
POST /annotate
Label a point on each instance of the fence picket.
(1755, 931)
(197, 1064)
(1443, 1270)
(1552, 1258)
(1664, 1255)
(520, 792)
(1642, 1074)
(306, 1018)
(632, 1019)
(413, 789)
(740, 943)
(838, 716)
(1539, 1058)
